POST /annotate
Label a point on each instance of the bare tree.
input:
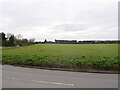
(18, 40)
(19, 37)
(9, 35)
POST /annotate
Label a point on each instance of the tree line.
(14, 40)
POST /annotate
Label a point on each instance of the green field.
(74, 56)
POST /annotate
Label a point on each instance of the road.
(19, 77)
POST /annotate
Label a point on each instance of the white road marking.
(45, 82)
(53, 83)
(62, 84)
(40, 81)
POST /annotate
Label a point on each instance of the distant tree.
(11, 40)
(4, 39)
(19, 37)
(9, 35)
(18, 40)
(45, 41)
(3, 36)
(0, 39)
(24, 42)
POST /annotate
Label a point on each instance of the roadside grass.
(72, 56)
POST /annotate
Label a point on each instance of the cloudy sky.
(60, 19)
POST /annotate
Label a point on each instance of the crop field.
(73, 56)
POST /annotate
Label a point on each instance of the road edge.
(66, 69)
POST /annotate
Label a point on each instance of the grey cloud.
(21, 16)
(71, 27)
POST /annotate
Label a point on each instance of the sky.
(60, 19)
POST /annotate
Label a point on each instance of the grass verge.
(70, 62)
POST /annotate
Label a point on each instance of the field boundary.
(67, 69)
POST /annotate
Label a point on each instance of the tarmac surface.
(21, 77)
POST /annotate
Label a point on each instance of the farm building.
(65, 41)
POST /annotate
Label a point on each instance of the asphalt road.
(19, 77)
